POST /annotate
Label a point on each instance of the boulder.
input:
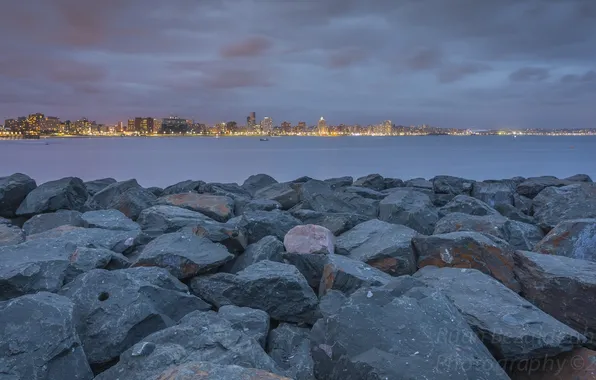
(474, 250)
(494, 193)
(95, 186)
(331, 302)
(556, 204)
(157, 191)
(382, 245)
(302, 179)
(392, 183)
(246, 205)
(259, 224)
(289, 346)
(337, 223)
(524, 204)
(360, 205)
(467, 205)
(403, 330)
(497, 315)
(279, 289)
(205, 336)
(117, 309)
(311, 265)
(44, 222)
(216, 207)
(419, 183)
(372, 181)
(252, 322)
(232, 190)
(579, 178)
(13, 191)
(577, 365)
(575, 238)
(85, 259)
(64, 194)
(439, 200)
(117, 241)
(339, 182)
(257, 182)
(39, 340)
(410, 208)
(184, 255)
(109, 220)
(561, 286)
(444, 184)
(10, 235)
(158, 220)
(531, 187)
(309, 238)
(364, 192)
(514, 213)
(184, 187)
(318, 196)
(127, 196)
(520, 235)
(268, 248)
(232, 237)
(283, 193)
(348, 275)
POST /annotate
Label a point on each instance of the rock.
(210, 371)
(4, 221)
(475, 250)
(126, 196)
(257, 182)
(579, 178)
(556, 204)
(39, 340)
(467, 205)
(157, 191)
(410, 208)
(331, 302)
(520, 235)
(419, 183)
(382, 245)
(577, 365)
(531, 187)
(259, 224)
(311, 265)
(348, 275)
(253, 322)
(444, 184)
(364, 192)
(563, 287)
(302, 179)
(184, 187)
(309, 238)
(524, 204)
(457, 221)
(232, 190)
(109, 220)
(289, 346)
(216, 207)
(363, 206)
(117, 241)
(13, 191)
(514, 213)
(338, 183)
(95, 186)
(392, 183)
(44, 222)
(266, 286)
(268, 248)
(403, 330)
(183, 254)
(203, 336)
(86, 259)
(158, 220)
(497, 315)
(574, 238)
(440, 200)
(494, 193)
(337, 223)
(283, 193)
(318, 196)
(64, 194)
(10, 235)
(231, 237)
(372, 181)
(256, 205)
(117, 309)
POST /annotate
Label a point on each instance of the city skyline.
(458, 64)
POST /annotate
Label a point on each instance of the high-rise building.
(156, 125)
(11, 125)
(144, 125)
(174, 124)
(322, 127)
(286, 127)
(267, 125)
(50, 124)
(35, 122)
(131, 125)
(387, 127)
(251, 121)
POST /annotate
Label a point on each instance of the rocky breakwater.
(339, 279)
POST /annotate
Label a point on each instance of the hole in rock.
(103, 296)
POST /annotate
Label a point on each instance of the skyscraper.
(267, 125)
(251, 121)
(322, 127)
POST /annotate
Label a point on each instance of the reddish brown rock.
(579, 364)
(574, 238)
(217, 207)
(309, 238)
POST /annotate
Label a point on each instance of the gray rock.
(410, 208)
(117, 309)
(392, 183)
(372, 181)
(467, 205)
(403, 330)
(215, 288)
(556, 204)
(10, 235)
(183, 254)
(440, 200)
(289, 346)
(184, 187)
(109, 220)
(64, 194)
(126, 196)
(531, 187)
(524, 204)
(253, 322)
(444, 184)
(246, 205)
(158, 220)
(86, 259)
(494, 193)
(232, 190)
(419, 183)
(563, 287)
(337, 223)
(364, 192)
(309, 238)
(475, 250)
(257, 182)
(339, 182)
(302, 179)
(283, 193)
(363, 206)
(204, 336)
(318, 196)
(13, 191)
(311, 265)
(216, 207)
(498, 315)
(520, 235)
(514, 213)
(457, 221)
(348, 275)
(232, 237)
(268, 248)
(579, 178)
(331, 302)
(39, 340)
(574, 238)
(95, 186)
(45, 222)
(259, 224)
(117, 241)
(382, 245)
(4, 221)
(157, 191)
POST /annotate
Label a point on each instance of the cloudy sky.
(450, 63)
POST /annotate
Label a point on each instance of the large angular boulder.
(382, 245)
(348, 275)
(444, 184)
(360, 205)
(184, 187)
(497, 315)
(126, 196)
(64, 194)
(279, 289)
(157, 191)
(520, 235)
(289, 346)
(403, 330)
(575, 238)
(309, 238)
(246, 205)
(531, 187)
(524, 204)
(371, 181)
(392, 183)
(117, 309)
(474, 250)
(259, 224)
(514, 213)
(318, 196)
(556, 204)
(494, 193)
(13, 190)
(10, 235)
(232, 237)
(39, 340)
(268, 248)
(419, 183)
(257, 182)
(44, 222)
(95, 186)
(577, 365)
(579, 178)
(284, 193)
(410, 208)
(364, 192)
(467, 205)
(85, 259)
(252, 322)
(109, 220)
(217, 207)
(339, 182)
(205, 336)
(158, 220)
(561, 286)
(117, 241)
(183, 254)
(311, 265)
(232, 190)
(337, 223)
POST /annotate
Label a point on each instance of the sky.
(449, 63)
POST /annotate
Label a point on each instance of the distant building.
(286, 127)
(251, 121)
(51, 124)
(174, 124)
(11, 125)
(131, 125)
(322, 128)
(267, 125)
(144, 125)
(156, 125)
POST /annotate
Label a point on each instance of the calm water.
(164, 161)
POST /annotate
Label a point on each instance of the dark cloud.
(425, 59)
(529, 74)
(454, 73)
(250, 47)
(588, 76)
